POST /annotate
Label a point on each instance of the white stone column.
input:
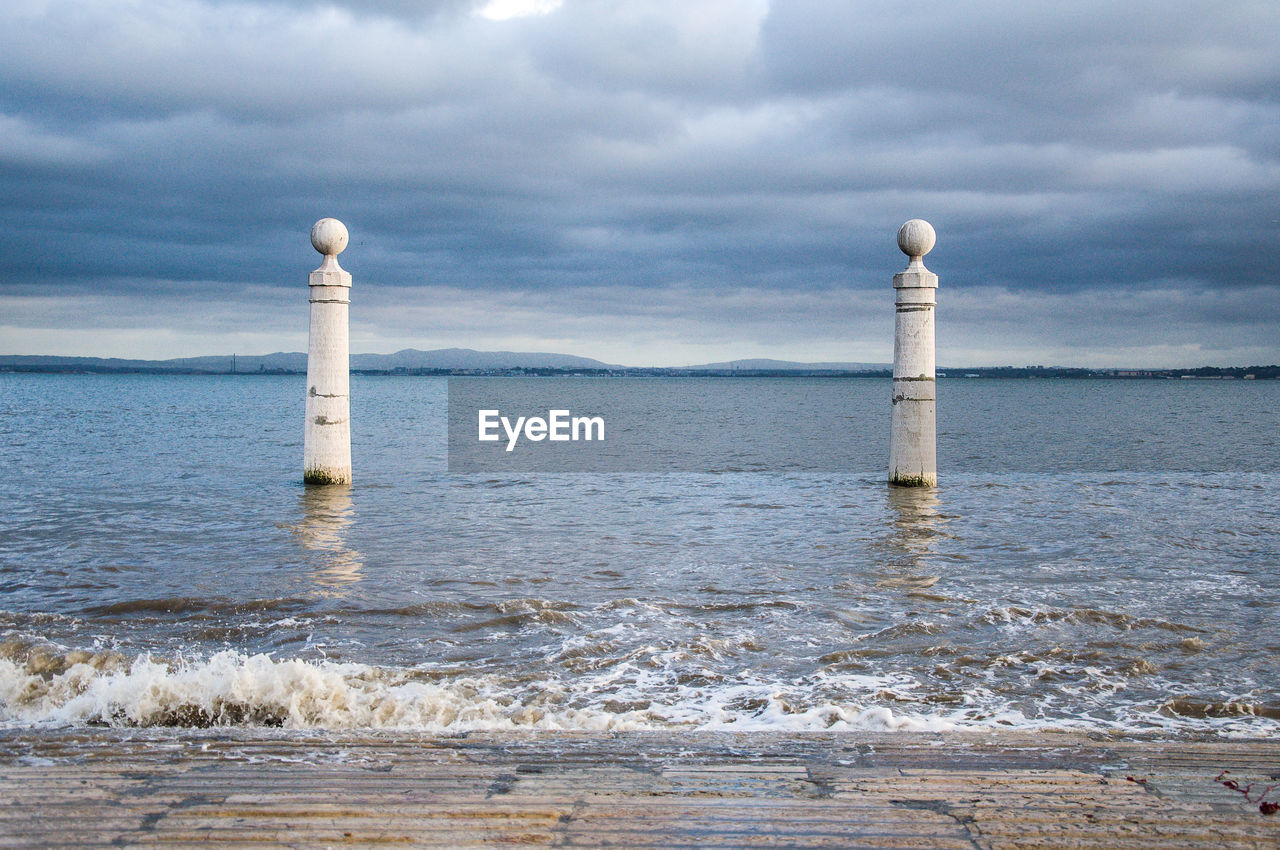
(913, 453)
(326, 450)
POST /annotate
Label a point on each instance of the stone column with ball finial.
(913, 454)
(326, 447)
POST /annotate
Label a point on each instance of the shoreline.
(89, 786)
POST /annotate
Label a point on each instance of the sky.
(646, 182)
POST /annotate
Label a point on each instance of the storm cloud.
(645, 182)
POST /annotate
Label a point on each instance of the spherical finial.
(916, 238)
(329, 236)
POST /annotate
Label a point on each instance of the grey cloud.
(1170, 323)
(656, 150)
(269, 61)
(695, 53)
(1010, 48)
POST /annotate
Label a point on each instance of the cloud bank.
(650, 182)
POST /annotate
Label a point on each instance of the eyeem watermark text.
(558, 426)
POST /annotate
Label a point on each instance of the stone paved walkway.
(195, 788)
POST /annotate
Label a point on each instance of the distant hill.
(411, 359)
(766, 365)
(464, 361)
(278, 362)
(466, 358)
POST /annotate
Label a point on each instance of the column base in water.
(319, 475)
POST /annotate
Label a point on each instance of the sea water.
(1100, 555)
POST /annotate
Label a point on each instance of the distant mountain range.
(766, 365)
(464, 361)
(443, 359)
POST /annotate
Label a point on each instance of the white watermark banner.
(559, 424)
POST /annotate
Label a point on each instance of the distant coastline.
(457, 362)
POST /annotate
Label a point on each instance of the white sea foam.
(48, 685)
(230, 688)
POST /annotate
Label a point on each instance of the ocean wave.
(41, 685)
(194, 606)
(1188, 707)
(1018, 615)
(44, 684)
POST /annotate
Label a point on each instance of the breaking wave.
(43, 685)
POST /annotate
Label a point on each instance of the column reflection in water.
(327, 515)
(916, 523)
